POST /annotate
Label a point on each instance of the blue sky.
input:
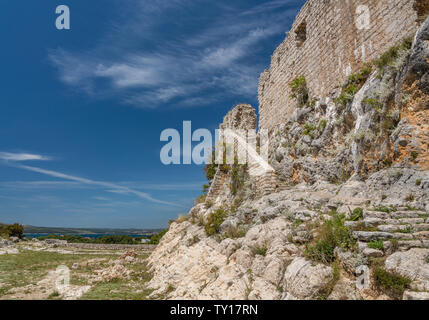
(81, 110)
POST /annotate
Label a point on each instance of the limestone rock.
(345, 289)
(372, 253)
(413, 264)
(411, 295)
(303, 280)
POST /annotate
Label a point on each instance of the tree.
(15, 230)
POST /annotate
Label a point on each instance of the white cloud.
(112, 187)
(218, 55)
(8, 156)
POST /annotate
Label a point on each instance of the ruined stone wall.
(329, 40)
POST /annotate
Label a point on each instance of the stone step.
(398, 228)
(405, 245)
(401, 245)
(374, 222)
(395, 215)
(367, 236)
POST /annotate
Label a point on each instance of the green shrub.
(322, 125)
(299, 91)
(235, 233)
(54, 295)
(214, 221)
(195, 239)
(14, 230)
(332, 234)
(418, 182)
(183, 218)
(353, 84)
(308, 130)
(356, 214)
(427, 259)
(155, 239)
(376, 244)
(259, 250)
(391, 283)
(409, 198)
(373, 103)
(201, 199)
(170, 289)
(391, 55)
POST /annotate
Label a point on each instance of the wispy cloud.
(110, 187)
(8, 156)
(146, 67)
(136, 185)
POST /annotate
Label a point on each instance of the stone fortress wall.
(329, 40)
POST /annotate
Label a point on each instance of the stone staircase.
(399, 230)
(266, 184)
(216, 186)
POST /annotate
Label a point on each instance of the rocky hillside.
(343, 215)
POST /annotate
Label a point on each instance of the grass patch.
(54, 296)
(117, 289)
(356, 214)
(308, 130)
(391, 283)
(384, 209)
(376, 244)
(29, 267)
(133, 288)
(259, 250)
(235, 232)
(408, 229)
(332, 234)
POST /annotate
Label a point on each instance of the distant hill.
(77, 231)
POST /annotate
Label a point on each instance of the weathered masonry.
(329, 40)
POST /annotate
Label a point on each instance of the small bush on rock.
(214, 221)
(356, 214)
(235, 233)
(391, 283)
(12, 230)
(299, 91)
(389, 57)
(333, 233)
(259, 250)
(353, 84)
